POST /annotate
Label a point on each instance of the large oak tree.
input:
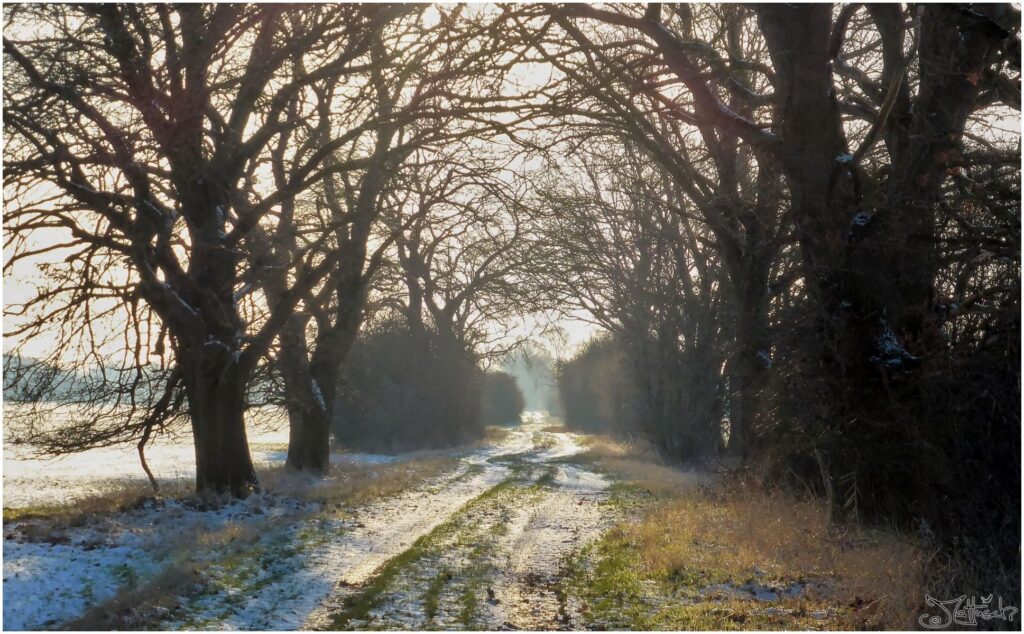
(136, 131)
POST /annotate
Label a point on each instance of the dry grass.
(115, 498)
(493, 434)
(601, 447)
(353, 484)
(137, 608)
(557, 428)
(640, 464)
(141, 606)
(542, 441)
(697, 529)
(734, 533)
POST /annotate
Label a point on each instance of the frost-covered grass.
(351, 483)
(540, 529)
(242, 572)
(45, 584)
(120, 561)
(113, 497)
(544, 440)
(54, 571)
(494, 435)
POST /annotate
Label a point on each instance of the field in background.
(31, 481)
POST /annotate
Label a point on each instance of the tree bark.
(308, 429)
(329, 356)
(750, 366)
(215, 380)
(808, 115)
(216, 399)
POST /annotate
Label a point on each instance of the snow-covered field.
(52, 575)
(32, 481)
(301, 563)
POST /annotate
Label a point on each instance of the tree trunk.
(308, 421)
(746, 382)
(216, 398)
(329, 358)
(750, 364)
(824, 205)
(870, 262)
(308, 429)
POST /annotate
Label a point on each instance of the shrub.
(595, 388)
(404, 390)
(502, 400)
(670, 396)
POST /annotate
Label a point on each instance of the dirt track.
(487, 563)
(479, 547)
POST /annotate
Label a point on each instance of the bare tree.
(867, 236)
(136, 128)
(619, 251)
(423, 88)
(625, 87)
(464, 257)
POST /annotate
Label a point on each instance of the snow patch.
(47, 584)
(292, 572)
(53, 574)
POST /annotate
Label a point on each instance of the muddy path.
(479, 547)
(573, 513)
(493, 562)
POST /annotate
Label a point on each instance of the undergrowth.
(697, 551)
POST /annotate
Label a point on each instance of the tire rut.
(495, 564)
(529, 587)
(440, 582)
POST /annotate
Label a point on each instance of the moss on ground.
(432, 598)
(543, 440)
